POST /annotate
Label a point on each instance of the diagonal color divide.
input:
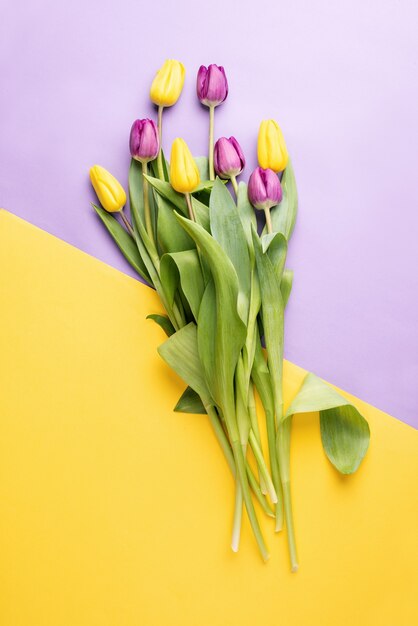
(348, 112)
(115, 510)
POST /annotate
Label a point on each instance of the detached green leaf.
(344, 431)
(190, 402)
(124, 241)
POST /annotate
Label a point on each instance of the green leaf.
(230, 333)
(275, 245)
(180, 352)
(206, 335)
(164, 322)
(190, 402)
(171, 236)
(166, 191)
(273, 317)
(166, 167)
(183, 267)
(146, 247)
(344, 431)
(283, 216)
(136, 193)
(286, 285)
(178, 200)
(201, 212)
(202, 163)
(124, 241)
(247, 215)
(252, 328)
(262, 380)
(227, 229)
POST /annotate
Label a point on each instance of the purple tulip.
(143, 141)
(229, 159)
(264, 189)
(212, 86)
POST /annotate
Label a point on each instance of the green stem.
(262, 382)
(234, 185)
(192, 215)
(290, 528)
(249, 505)
(274, 464)
(268, 220)
(211, 134)
(127, 223)
(179, 316)
(283, 447)
(160, 137)
(252, 412)
(236, 528)
(221, 437)
(262, 467)
(258, 494)
(226, 449)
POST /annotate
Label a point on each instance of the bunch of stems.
(237, 430)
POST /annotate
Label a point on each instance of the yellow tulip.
(110, 192)
(272, 151)
(168, 83)
(184, 175)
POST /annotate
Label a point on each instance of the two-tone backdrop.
(341, 80)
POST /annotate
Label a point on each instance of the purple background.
(341, 78)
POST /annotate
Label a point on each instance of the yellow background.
(115, 511)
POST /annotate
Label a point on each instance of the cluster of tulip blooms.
(226, 157)
(224, 288)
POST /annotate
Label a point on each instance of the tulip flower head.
(143, 142)
(264, 189)
(110, 192)
(272, 151)
(212, 86)
(228, 157)
(184, 174)
(168, 83)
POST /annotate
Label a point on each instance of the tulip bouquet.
(223, 282)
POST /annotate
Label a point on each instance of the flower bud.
(184, 174)
(229, 159)
(272, 151)
(143, 142)
(212, 86)
(168, 83)
(110, 192)
(264, 189)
